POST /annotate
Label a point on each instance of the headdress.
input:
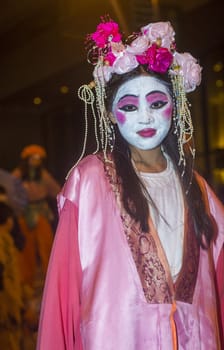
(33, 149)
(154, 47)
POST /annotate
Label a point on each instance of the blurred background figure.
(10, 284)
(36, 223)
(13, 191)
(15, 232)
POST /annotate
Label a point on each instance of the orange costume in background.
(35, 222)
(36, 225)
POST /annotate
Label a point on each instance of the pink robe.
(93, 298)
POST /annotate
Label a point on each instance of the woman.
(139, 248)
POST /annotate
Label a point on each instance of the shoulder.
(88, 175)
(89, 166)
(216, 209)
(211, 195)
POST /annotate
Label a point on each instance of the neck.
(151, 161)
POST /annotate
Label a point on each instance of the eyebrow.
(156, 92)
(128, 95)
(150, 93)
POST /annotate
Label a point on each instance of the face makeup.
(143, 111)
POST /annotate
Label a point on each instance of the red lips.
(147, 132)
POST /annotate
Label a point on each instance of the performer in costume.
(37, 216)
(35, 222)
(137, 261)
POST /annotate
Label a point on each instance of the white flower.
(159, 31)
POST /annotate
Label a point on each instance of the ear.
(112, 118)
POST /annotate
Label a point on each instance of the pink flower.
(125, 63)
(158, 59)
(105, 33)
(117, 49)
(159, 31)
(139, 45)
(110, 58)
(187, 66)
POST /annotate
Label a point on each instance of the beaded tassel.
(182, 119)
(86, 94)
(107, 135)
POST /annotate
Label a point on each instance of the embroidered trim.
(185, 284)
(144, 250)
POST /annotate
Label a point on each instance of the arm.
(53, 188)
(60, 313)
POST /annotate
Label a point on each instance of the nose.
(146, 116)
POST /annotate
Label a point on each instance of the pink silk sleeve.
(217, 210)
(220, 289)
(59, 326)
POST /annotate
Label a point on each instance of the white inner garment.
(165, 190)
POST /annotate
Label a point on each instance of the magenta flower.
(105, 33)
(158, 59)
(110, 58)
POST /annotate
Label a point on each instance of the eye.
(158, 104)
(128, 108)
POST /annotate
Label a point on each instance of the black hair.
(134, 196)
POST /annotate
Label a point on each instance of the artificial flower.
(139, 45)
(106, 32)
(154, 46)
(189, 69)
(125, 63)
(158, 59)
(160, 31)
(109, 58)
(117, 48)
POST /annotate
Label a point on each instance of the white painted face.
(143, 111)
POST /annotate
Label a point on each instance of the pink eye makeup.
(157, 99)
(128, 103)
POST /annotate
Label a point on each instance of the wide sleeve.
(59, 326)
(217, 211)
(220, 288)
